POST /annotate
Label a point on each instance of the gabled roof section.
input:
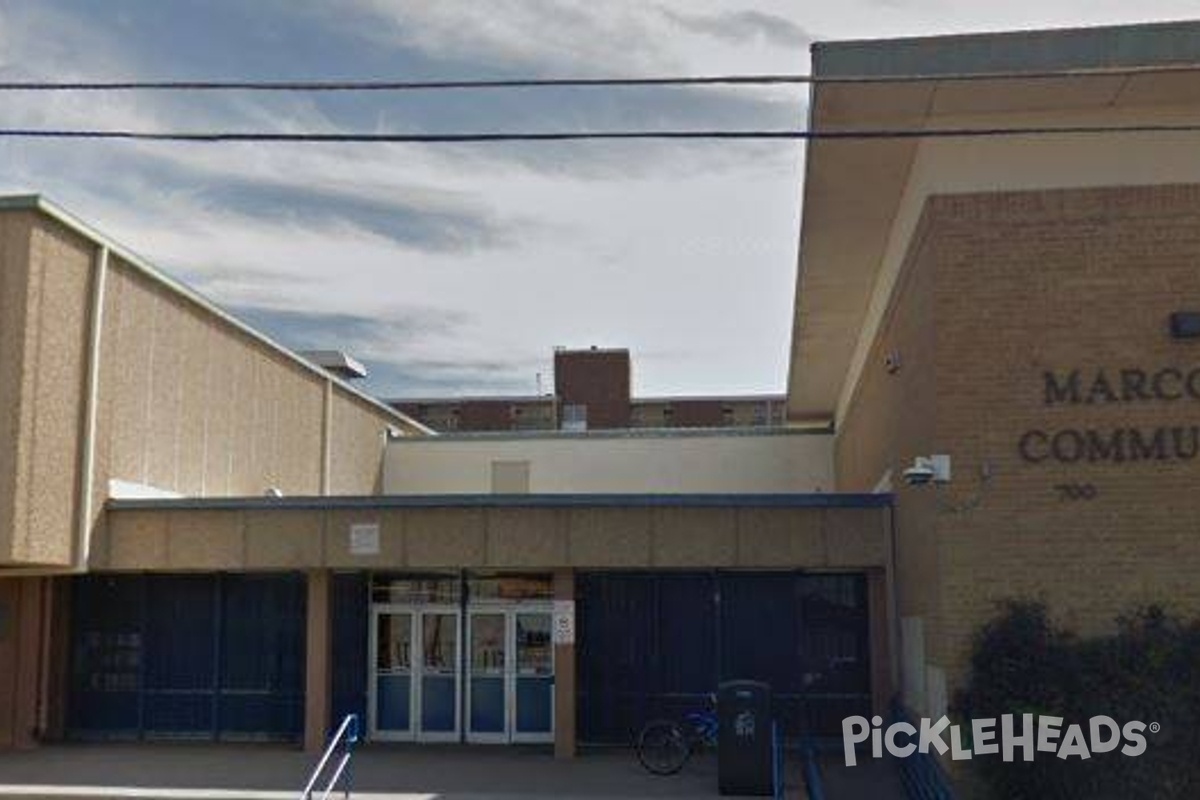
(38, 204)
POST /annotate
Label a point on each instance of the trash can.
(745, 742)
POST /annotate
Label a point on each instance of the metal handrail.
(346, 737)
(813, 780)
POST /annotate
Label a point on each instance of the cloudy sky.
(457, 268)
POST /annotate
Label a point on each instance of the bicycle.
(664, 746)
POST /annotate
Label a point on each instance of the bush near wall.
(1149, 670)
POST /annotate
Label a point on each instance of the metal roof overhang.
(853, 188)
(368, 502)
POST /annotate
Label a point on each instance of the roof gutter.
(91, 397)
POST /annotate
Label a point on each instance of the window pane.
(395, 643)
(441, 641)
(533, 644)
(487, 643)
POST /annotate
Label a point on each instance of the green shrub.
(1149, 670)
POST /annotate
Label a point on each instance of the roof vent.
(336, 362)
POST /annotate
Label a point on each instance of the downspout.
(91, 393)
(893, 588)
(327, 439)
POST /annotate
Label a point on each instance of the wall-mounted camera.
(928, 469)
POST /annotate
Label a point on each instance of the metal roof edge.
(370, 502)
(627, 433)
(949, 48)
(40, 204)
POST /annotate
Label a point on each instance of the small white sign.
(564, 622)
(364, 539)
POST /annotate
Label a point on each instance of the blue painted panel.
(647, 649)
(107, 657)
(178, 715)
(261, 716)
(437, 704)
(349, 621)
(180, 615)
(104, 715)
(187, 656)
(180, 676)
(262, 656)
(535, 705)
(487, 705)
(392, 696)
(758, 629)
(655, 644)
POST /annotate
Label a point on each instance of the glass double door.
(419, 680)
(414, 684)
(510, 675)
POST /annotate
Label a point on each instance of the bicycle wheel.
(662, 748)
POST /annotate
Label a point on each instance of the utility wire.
(529, 83)
(564, 136)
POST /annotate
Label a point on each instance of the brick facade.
(999, 291)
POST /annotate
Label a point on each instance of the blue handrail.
(813, 781)
(345, 738)
(921, 774)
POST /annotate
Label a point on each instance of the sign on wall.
(1100, 388)
(364, 539)
(564, 622)
(1168, 387)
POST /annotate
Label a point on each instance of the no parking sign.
(564, 622)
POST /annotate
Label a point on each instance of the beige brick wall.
(1056, 281)
(1010, 286)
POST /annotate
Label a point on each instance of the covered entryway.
(461, 657)
(656, 644)
(173, 656)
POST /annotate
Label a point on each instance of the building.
(483, 413)
(1021, 303)
(1016, 313)
(209, 538)
(592, 392)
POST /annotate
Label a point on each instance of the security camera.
(920, 473)
(928, 469)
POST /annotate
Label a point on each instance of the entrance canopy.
(813, 531)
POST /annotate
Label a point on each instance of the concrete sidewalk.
(381, 772)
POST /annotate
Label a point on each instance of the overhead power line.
(533, 83)
(216, 137)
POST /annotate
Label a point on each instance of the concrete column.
(28, 684)
(880, 629)
(57, 671)
(317, 677)
(564, 675)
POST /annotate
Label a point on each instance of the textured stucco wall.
(187, 403)
(603, 463)
(14, 271)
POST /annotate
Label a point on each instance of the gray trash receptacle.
(745, 746)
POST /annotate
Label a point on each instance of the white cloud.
(680, 250)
